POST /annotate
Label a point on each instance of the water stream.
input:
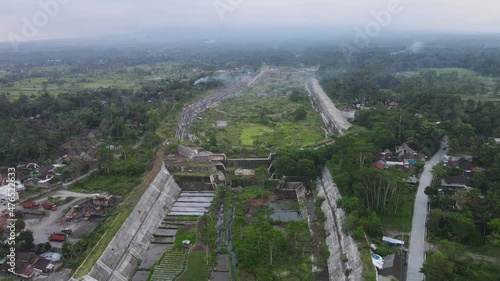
(230, 247)
(225, 235)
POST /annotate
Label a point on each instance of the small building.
(221, 124)
(392, 241)
(380, 164)
(28, 265)
(392, 105)
(6, 192)
(455, 182)
(404, 149)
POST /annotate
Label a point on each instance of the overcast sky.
(85, 18)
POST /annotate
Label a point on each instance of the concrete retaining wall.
(340, 245)
(186, 151)
(332, 117)
(251, 163)
(122, 256)
(190, 112)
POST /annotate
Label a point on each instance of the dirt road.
(43, 226)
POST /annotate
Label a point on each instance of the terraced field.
(170, 267)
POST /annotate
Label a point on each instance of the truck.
(58, 237)
(29, 205)
(67, 231)
(49, 206)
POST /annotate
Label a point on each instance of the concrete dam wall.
(341, 246)
(335, 122)
(122, 256)
(190, 112)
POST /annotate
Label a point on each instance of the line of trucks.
(57, 237)
(34, 205)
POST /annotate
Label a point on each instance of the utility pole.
(400, 118)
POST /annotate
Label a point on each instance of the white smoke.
(414, 48)
(221, 76)
(201, 80)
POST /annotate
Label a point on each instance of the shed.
(392, 241)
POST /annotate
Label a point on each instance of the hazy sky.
(83, 18)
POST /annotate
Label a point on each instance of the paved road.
(65, 185)
(417, 238)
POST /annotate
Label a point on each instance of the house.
(28, 265)
(73, 149)
(392, 105)
(349, 113)
(91, 133)
(467, 168)
(404, 149)
(380, 164)
(455, 182)
(405, 158)
(6, 192)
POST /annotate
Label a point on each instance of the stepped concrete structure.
(339, 244)
(192, 204)
(122, 256)
(333, 118)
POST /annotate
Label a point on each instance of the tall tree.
(438, 268)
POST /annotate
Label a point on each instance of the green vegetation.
(262, 119)
(99, 239)
(179, 237)
(266, 249)
(108, 228)
(118, 185)
(196, 269)
(369, 272)
(467, 78)
(48, 107)
(450, 263)
(170, 266)
(252, 132)
(63, 78)
(401, 220)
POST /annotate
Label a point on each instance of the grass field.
(252, 132)
(118, 185)
(402, 220)
(463, 73)
(260, 120)
(197, 268)
(62, 78)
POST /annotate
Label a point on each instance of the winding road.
(418, 229)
